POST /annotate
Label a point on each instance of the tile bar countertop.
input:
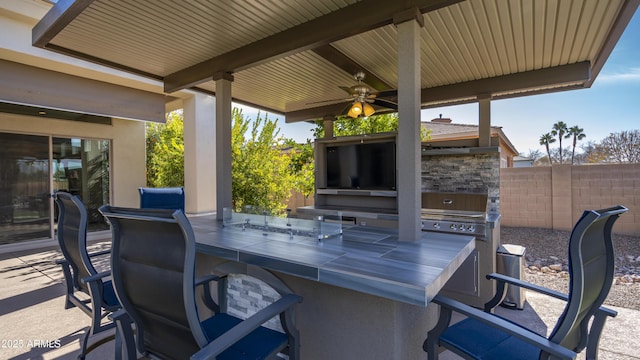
(365, 259)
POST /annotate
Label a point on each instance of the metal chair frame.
(591, 270)
(79, 273)
(132, 225)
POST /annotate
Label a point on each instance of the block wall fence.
(554, 197)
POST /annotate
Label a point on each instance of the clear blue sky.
(612, 104)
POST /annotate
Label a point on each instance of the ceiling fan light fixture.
(368, 109)
(356, 109)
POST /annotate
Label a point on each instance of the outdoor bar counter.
(365, 292)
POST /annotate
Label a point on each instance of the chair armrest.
(205, 282)
(219, 345)
(527, 285)
(120, 315)
(125, 339)
(542, 290)
(206, 279)
(508, 327)
(62, 262)
(100, 253)
(96, 277)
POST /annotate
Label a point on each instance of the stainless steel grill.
(469, 222)
(466, 213)
(455, 213)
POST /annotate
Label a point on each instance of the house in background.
(521, 161)
(446, 134)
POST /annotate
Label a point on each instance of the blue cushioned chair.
(153, 264)
(80, 275)
(482, 335)
(162, 198)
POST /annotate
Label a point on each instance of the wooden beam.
(555, 76)
(349, 21)
(319, 112)
(54, 21)
(565, 77)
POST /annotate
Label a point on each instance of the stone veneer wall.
(466, 173)
(247, 295)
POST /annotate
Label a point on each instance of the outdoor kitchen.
(461, 194)
(460, 186)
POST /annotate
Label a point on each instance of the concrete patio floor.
(35, 324)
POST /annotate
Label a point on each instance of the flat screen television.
(365, 166)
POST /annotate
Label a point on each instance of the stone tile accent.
(470, 173)
(248, 295)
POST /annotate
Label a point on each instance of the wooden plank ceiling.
(290, 57)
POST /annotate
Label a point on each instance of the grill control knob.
(462, 228)
(436, 225)
(472, 228)
(452, 227)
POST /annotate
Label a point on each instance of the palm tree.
(578, 134)
(560, 129)
(545, 140)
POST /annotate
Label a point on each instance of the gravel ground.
(547, 250)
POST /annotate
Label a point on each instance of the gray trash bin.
(510, 262)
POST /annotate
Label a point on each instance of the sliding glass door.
(32, 167)
(81, 167)
(24, 188)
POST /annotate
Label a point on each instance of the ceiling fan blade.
(386, 103)
(346, 109)
(386, 93)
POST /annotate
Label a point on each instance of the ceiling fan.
(361, 98)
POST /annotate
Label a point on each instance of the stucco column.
(223, 142)
(328, 127)
(199, 144)
(408, 155)
(484, 128)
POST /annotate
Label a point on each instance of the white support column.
(409, 164)
(199, 143)
(484, 128)
(223, 143)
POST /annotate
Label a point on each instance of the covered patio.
(291, 58)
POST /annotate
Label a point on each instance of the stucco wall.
(128, 168)
(555, 197)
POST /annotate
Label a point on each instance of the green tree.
(560, 129)
(266, 167)
(261, 172)
(578, 134)
(546, 140)
(165, 152)
(301, 166)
